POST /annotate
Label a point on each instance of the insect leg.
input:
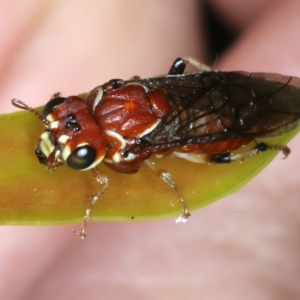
(178, 66)
(228, 157)
(167, 178)
(104, 181)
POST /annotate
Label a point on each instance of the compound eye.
(52, 105)
(81, 158)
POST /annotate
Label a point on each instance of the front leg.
(104, 181)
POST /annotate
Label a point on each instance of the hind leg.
(179, 65)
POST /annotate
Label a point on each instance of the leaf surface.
(32, 195)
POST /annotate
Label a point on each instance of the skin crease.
(245, 246)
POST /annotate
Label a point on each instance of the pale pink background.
(243, 247)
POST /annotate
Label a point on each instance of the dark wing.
(217, 106)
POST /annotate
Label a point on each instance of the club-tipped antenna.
(20, 104)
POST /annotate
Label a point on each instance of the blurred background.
(244, 246)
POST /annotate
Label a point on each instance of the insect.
(200, 117)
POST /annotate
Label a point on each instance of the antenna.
(20, 104)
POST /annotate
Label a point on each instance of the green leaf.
(32, 195)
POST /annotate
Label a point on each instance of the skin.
(245, 246)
